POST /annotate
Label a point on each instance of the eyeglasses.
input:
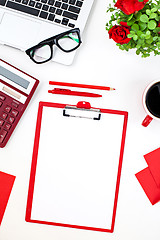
(67, 41)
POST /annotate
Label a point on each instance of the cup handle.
(147, 121)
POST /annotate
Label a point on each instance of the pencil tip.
(112, 89)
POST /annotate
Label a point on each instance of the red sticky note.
(6, 184)
(153, 161)
(149, 186)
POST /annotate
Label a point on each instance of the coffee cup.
(151, 102)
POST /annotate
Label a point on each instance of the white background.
(98, 62)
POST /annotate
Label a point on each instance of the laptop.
(24, 23)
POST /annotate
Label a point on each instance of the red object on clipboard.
(76, 166)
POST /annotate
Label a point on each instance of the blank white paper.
(77, 169)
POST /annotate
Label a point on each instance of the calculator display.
(14, 78)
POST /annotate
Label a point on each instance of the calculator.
(16, 91)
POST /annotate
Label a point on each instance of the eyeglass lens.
(67, 42)
(41, 54)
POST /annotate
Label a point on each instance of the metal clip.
(85, 107)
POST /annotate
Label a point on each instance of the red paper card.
(6, 184)
(149, 185)
(153, 161)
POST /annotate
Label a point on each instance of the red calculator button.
(11, 119)
(14, 104)
(4, 115)
(2, 135)
(1, 122)
(7, 126)
(1, 104)
(2, 98)
(14, 113)
(7, 109)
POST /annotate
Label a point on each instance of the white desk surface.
(98, 62)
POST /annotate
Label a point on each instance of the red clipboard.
(72, 184)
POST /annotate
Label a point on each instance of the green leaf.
(150, 40)
(135, 37)
(148, 33)
(155, 38)
(129, 23)
(135, 27)
(139, 33)
(130, 35)
(142, 26)
(144, 18)
(138, 46)
(154, 9)
(132, 32)
(152, 24)
(142, 36)
(157, 18)
(138, 51)
(148, 11)
(147, 37)
(130, 17)
(156, 30)
(153, 15)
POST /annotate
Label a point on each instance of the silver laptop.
(24, 23)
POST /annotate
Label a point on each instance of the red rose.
(158, 26)
(130, 6)
(119, 34)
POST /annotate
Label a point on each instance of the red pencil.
(80, 85)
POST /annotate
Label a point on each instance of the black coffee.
(153, 100)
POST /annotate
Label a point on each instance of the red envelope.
(153, 161)
(149, 186)
(6, 184)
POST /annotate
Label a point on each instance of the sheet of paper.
(77, 167)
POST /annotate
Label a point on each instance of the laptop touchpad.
(18, 31)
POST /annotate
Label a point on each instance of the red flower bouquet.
(135, 24)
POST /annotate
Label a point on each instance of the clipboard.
(76, 166)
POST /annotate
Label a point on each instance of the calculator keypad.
(7, 108)
(10, 111)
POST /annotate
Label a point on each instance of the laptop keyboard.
(64, 12)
